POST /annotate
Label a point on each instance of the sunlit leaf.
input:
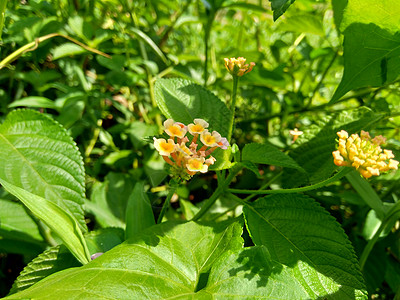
(302, 235)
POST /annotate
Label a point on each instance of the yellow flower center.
(197, 128)
(167, 147)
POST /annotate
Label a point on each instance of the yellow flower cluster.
(238, 66)
(364, 154)
(188, 160)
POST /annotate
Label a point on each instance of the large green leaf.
(39, 156)
(302, 235)
(184, 100)
(371, 58)
(162, 262)
(384, 14)
(268, 154)
(371, 44)
(315, 146)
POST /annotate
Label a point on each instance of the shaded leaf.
(35, 101)
(269, 155)
(279, 7)
(139, 213)
(49, 262)
(15, 219)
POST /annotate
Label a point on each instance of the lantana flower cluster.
(364, 154)
(189, 153)
(238, 66)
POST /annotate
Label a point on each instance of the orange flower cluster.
(188, 160)
(238, 66)
(364, 154)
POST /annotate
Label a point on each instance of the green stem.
(220, 189)
(318, 185)
(3, 6)
(233, 104)
(210, 20)
(173, 186)
(391, 217)
(33, 45)
(150, 80)
(248, 198)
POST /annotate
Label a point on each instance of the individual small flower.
(174, 129)
(364, 154)
(196, 164)
(96, 255)
(223, 143)
(198, 127)
(210, 139)
(238, 66)
(295, 133)
(210, 161)
(163, 147)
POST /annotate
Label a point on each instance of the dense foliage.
(260, 208)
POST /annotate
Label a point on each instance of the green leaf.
(138, 131)
(269, 155)
(35, 101)
(304, 23)
(104, 239)
(165, 261)
(39, 156)
(184, 100)
(119, 188)
(58, 220)
(338, 7)
(67, 49)
(252, 274)
(116, 62)
(49, 262)
(279, 7)
(302, 235)
(145, 38)
(384, 14)
(371, 44)
(366, 192)
(15, 220)
(98, 206)
(244, 6)
(139, 214)
(371, 58)
(315, 146)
